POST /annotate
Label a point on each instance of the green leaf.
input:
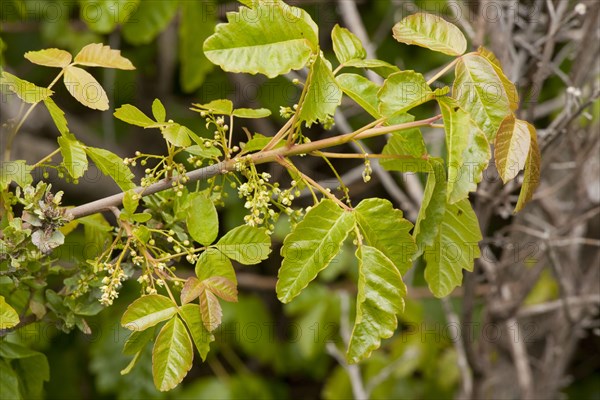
(133, 116)
(26, 91)
(131, 201)
(58, 116)
(433, 207)
(480, 92)
(112, 165)
(531, 180)
(8, 316)
(385, 229)
(251, 112)
(149, 19)
(509, 87)
(468, 150)
(408, 145)
(50, 57)
(220, 106)
(17, 171)
(131, 364)
(402, 91)
(177, 135)
(172, 355)
(9, 384)
(203, 151)
(258, 142)
(271, 38)
(323, 94)
(148, 311)
(379, 299)
(102, 16)
(30, 366)
(210, 310)
(202, 219)
(380, 67)
(454, 248)
(137, 341)
(85, 88)
(191, 290)
(196, 25)
(214, 263)
(247, 245)
(158, 111)
(222, 287)
(511, 147)
(202, 338)
(346, 45)
(74, 157)
(311, 246)
(431, 32)
(98, 55)
(362, 90)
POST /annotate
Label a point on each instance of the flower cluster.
(111, 284)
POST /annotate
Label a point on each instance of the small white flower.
(580, 9)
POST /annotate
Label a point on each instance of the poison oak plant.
(170, 220)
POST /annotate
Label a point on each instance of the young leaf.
(85, 88)
(431, 32)
(251, 112)
(133, 116)
(74, 157)
(8, 316)
(210, 309)
(58, 116)
(203, 151)
(245, 244)
(191, 290)
(26, 91)
(311, 246)
(111, 165)
(454, 248)
(531, 180)
(402, 91)
(323, 94)
(385, 229)
(149, 19)
(258, 142)
(433, 207)
(177, 135)
(148, 311)
(131, 201)
(346, 45)
(379, 299)
(509, 87)
(408, 144)
(172, 355)
(222, 287)
(194, 64)
(468, 150)
(362, 90)
(380, 67)
(50, 57)
(131, 364)
(191, 315)
(511, 148)
(480, 92)
(202, 219)
(271, 38)
(137, 341)
(214, 263)
(220, 106)
(17, 171)
(97, 55)
(158, 111)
